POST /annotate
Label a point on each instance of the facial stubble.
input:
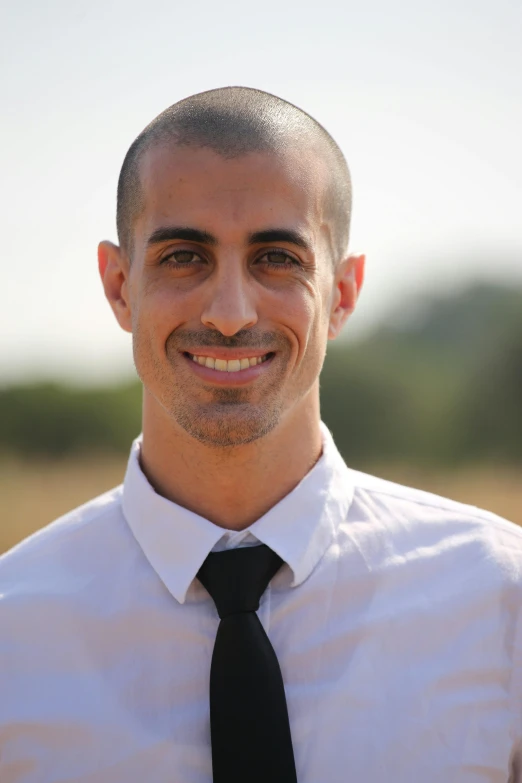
(226, 417)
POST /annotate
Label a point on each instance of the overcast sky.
(424, 99)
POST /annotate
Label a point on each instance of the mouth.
(238, 371)
(228, 365)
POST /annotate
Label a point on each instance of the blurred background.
(425, 387)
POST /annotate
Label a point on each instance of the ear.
(348, 282)
(114, 272)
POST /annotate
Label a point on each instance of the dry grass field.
(34, 493)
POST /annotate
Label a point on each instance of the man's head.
(233, 219)
(235, 121)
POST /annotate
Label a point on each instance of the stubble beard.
(226, 424)
(228, 417)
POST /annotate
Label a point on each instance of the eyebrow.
(279, 235)
(288, 235)
(181, 232)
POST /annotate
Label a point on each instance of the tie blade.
(250, 730)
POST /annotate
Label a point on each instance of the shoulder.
(418, 504)
(58, 593)
(422, 525)
(55, 557)
(57, 584)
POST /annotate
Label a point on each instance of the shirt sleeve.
(515, 771)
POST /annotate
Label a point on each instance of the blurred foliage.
(49, 418)
(441, 384)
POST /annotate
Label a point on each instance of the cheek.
(305, 316)
(158, 312)
(155, 316)
(320, 317)
(298, 304)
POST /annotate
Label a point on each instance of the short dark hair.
(234, 121)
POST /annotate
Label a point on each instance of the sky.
(423, 98)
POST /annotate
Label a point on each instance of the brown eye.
(183, 256)
(277, 258)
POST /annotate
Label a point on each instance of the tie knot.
(237, 578)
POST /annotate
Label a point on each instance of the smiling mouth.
(230, 365)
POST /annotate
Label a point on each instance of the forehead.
(197, 186)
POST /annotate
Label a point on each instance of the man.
(245, 606)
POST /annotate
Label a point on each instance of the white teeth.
(232, 365)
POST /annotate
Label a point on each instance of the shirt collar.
(299, 528)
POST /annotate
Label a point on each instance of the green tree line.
(442, 386)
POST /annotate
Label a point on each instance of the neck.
(231, 487)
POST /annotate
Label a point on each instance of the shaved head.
(236, 121)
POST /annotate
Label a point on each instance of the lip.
(220, 378)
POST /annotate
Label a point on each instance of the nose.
(230, 306)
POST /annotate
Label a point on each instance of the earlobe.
(114, 270)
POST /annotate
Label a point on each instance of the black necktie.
(249, 728)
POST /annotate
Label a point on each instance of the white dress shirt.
(395, 619)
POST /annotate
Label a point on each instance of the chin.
(227, 429)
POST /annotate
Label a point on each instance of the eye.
(278, 259)
(181, 258)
